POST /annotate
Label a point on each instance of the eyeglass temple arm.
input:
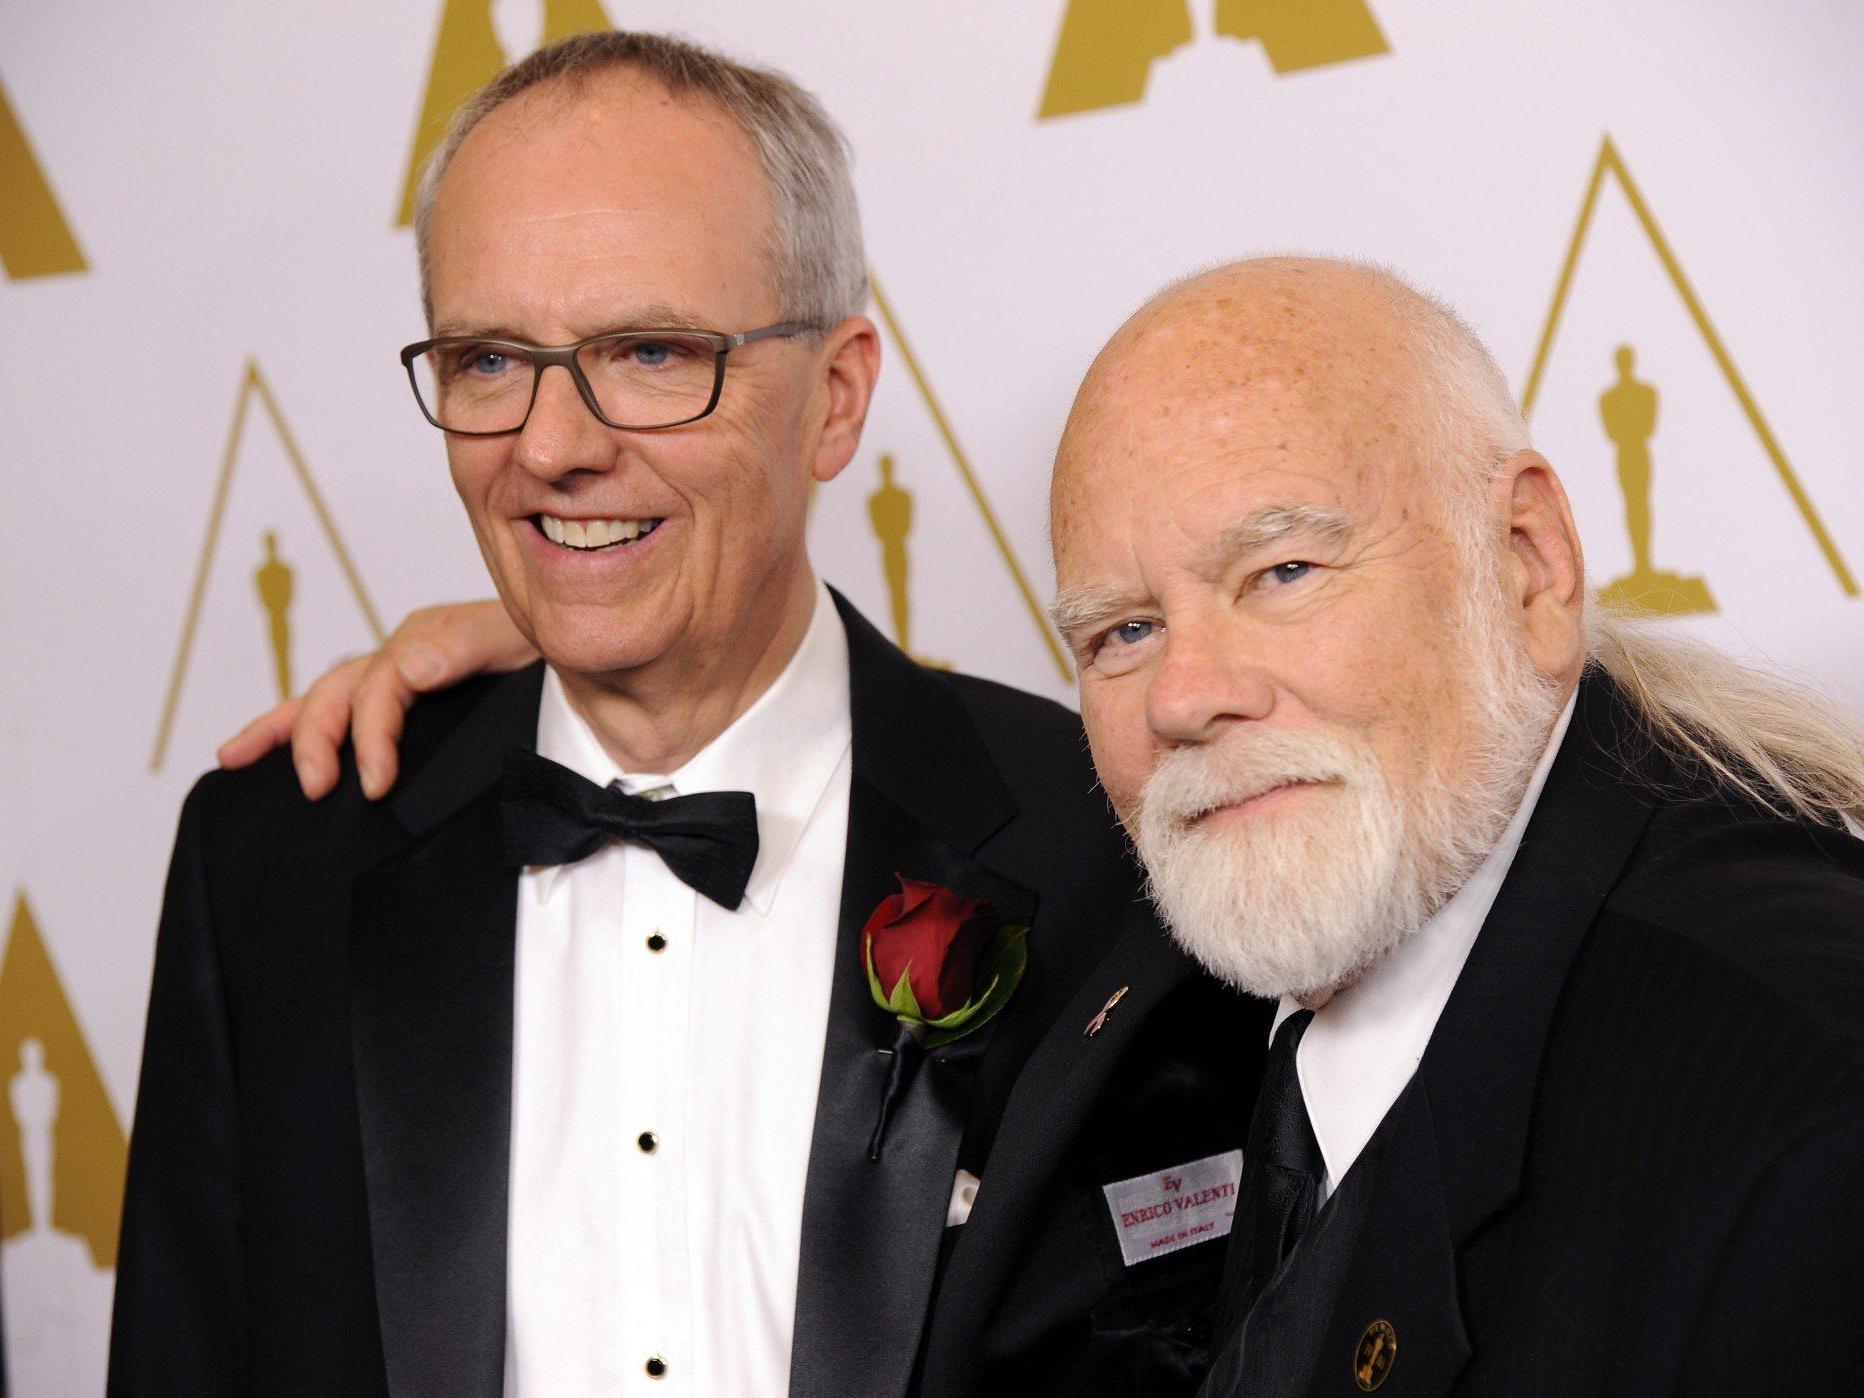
(769, 332)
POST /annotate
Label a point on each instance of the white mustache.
(1192, 782)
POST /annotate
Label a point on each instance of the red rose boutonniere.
(942, 966)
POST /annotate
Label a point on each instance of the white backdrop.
(230, 174)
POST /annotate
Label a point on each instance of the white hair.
(1301, 902)
(817, 261)
(1778, 742)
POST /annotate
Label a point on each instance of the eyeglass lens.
(639, 380)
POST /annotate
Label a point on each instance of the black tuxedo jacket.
(319, 1170)
(1632, 1158)
(1037, 1299)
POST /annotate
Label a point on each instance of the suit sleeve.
(1784, 1315)
(178, 1317)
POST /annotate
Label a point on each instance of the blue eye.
(652, 353)
(1291, 572)
(1131, 633)
(487, 362)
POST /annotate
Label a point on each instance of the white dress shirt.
(1366, 1042)
(666, 1059)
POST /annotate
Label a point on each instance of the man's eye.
(1292, 571)
(1123, 648)
(652, 354)
(476, 361)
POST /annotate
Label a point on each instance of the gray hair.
(815, 254)
(1779, 743)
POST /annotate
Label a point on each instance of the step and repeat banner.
(217, 484)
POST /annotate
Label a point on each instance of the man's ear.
(851, 364)
(1546, 571)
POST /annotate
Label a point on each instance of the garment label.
(1176, 1208)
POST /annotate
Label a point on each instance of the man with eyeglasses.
(570, 1068)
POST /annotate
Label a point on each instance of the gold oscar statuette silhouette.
(890, 511)
(1629, 411)
(276, 585)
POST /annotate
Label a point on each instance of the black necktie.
(1282, 1171)
(553, 816)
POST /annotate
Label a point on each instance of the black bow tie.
(553, 816)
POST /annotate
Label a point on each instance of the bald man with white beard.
(1555, 922)
(1566, 1089)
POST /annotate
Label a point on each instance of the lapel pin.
(1374, 1355)
(1099, 1021)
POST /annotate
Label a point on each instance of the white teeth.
(594, 533)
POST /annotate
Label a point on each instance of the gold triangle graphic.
(1301, 34)
(1105, 52)
(252, 385)
(1106, 49)
(59, 1135)
(1609, 162)
(971, 481)
(467, 56)
(35, 240)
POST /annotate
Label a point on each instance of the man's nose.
(1205, 682)
(561, 435)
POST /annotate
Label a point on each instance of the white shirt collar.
(783, 750)
(1366, 1042)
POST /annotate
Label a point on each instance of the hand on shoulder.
(366, 698)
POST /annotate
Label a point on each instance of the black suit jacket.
(1632, 1158)
(1037, 1298)
(319, 1170)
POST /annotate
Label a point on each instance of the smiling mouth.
(589, 535)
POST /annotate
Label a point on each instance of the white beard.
(1302, 902)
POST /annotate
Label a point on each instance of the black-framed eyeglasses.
(636, 380)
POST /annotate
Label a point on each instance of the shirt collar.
(1364, 1045)
(784, 750)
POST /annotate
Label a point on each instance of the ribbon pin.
(1099, 1021)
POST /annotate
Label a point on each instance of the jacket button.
(648, 1142)
(656, 1367)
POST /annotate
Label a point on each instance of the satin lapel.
(432, 944)
(1455, 1146)
(1057, 1090)
(924, 797)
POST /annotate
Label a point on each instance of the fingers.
(367, 698)
(440, 646)
(322, 723)
(433, 648)
(256, 739)
(380, 701)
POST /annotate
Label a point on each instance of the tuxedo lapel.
(1452, 1152)
(1054, 1095)
(924, 797)
(432, 945)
